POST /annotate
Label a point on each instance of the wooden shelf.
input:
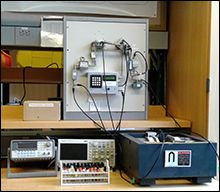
(12, 118)
(32, 75)
(125, 125)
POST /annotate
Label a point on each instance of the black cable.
(127, 72)
(124, 84)
(120, 171)
(23, 74)
(129, 47)
(106, 91)
(216, 153)
(122, 111)
(146, 175)
(93, 100)
(118, 127)
(73, 90)
(24, 87)
(149, 85)
(146, 63)
(52, 64)
(161, 149)
(123, 94)
(126, 48)
(103, 128)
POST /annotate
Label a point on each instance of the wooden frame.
(188, 62)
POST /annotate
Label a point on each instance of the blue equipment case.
(194, 161)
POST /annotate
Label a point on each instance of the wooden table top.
(116, 184)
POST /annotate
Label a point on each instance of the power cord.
(216, 153)
(124, 84)
(24, 85)
(52, 64)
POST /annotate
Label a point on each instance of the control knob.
(48, 144)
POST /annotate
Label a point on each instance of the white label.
(171, 158)
(110, 83)
(127, 129)
(40, 104)
(177, 158)
(24, 28)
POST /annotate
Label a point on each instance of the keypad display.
(99, 83)
(96, 81)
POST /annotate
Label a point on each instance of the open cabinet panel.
(188, 62)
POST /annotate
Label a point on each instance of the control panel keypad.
(96, 81)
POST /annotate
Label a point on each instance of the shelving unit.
(52, 76)
(12, 118)
(32, 75)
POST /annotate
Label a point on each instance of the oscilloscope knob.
(48, 144)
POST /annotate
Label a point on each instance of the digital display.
(27, 145)
(73, 151)
(109, 77)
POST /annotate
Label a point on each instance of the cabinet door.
(188, 62)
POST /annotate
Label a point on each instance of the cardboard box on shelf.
(41, 111)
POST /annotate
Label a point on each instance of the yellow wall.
(39, 58)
